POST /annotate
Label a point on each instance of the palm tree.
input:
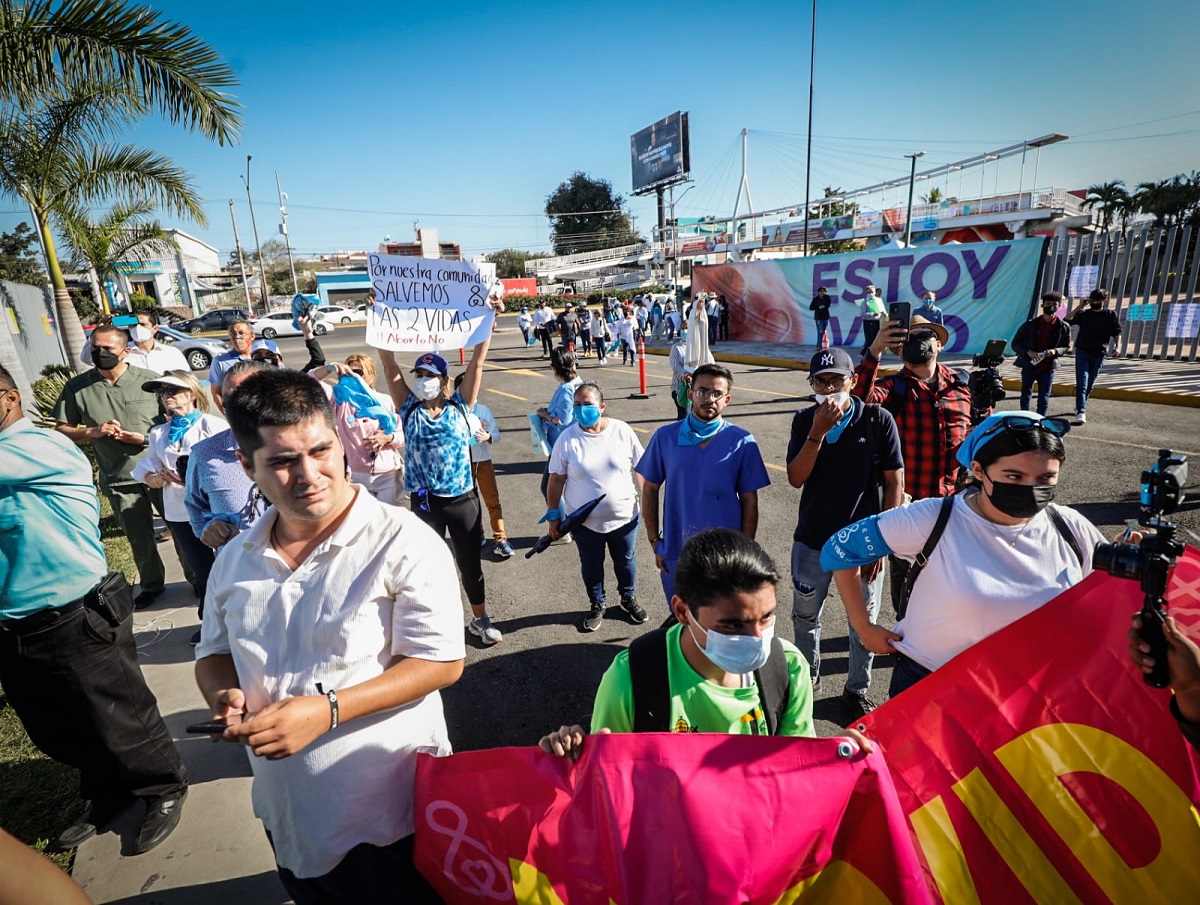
(934, 196)
(159, 63)
(125, 233)
(55, 157)
(1109, 197)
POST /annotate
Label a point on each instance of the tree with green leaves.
(587, 215)
(55, 157)
(834, 208)
(127, 232)
(1171, 202)
(64, 68)
(510, 262)
(18, 257)
(1108, 198)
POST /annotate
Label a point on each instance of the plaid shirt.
(932, 422)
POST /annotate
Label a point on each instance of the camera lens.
(1119, 560)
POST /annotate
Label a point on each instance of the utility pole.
(912, 181)
(262, 267)
(287, 242)
(812, 65)
(241, 261)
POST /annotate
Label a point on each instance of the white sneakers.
(1080, 418)
(482, 628)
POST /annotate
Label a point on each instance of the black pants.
(547, 341)
(368, 875)
(905, 674)
(78, 689)
(898, 571)
(195, 555)
(680, 412)
(462, 517)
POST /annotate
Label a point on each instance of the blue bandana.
(180, 425)
(353, 389)
(836, 430)
(694, 431)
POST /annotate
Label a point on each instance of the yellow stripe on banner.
(939, 841)
(509, 395)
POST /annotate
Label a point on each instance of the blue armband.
(552, 515)
(855, 545)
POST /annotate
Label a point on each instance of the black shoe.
(195, 639)
(163, 536)
(86, 826)
(859, 705)
(595, 616)
(634, 609)
(162, 816)
(145, 599)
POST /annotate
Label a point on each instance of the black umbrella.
(567, 525)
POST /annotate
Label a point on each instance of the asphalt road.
(546, 670)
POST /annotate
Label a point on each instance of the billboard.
(661, 153)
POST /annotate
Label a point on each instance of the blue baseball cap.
(993, 426)
(433, 363)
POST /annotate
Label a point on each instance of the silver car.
(198, 352)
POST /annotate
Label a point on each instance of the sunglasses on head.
(1020, 424)
(358, 371)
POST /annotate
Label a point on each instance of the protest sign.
(1038, 766)
(423, 304)
(984, 289)
(662, 817)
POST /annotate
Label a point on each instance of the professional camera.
(1151, 562)
(985, 384)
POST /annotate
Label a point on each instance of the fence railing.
(1151, 276)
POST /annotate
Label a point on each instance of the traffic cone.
(825, 339)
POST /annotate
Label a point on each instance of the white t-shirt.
(596, 464)
(981, 576)
(383, 585)
(542, 316)
(482, 452)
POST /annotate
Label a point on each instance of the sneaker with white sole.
(503, 549)
(637, 615)
(595, 616)
(564, 539)
(481, 627)
(1080, 418)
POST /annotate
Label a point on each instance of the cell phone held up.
(900, 312)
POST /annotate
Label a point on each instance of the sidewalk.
(219, 852)
(1125, 379)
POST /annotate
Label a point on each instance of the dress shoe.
(163, 536)
(145, 599)
(86, 826)
(162, 816)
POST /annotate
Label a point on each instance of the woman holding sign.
(437, 462)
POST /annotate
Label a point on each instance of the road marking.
(509, 395)
(773, 465)
(524, 372)
(642, 430)
(1075, 436)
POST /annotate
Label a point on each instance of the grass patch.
(39, 797)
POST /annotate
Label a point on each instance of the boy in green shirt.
(725, 603)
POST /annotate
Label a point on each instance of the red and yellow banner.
(1035, 767)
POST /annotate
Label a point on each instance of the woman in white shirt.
(165, 465)
(1005, 550)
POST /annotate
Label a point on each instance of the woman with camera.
(992, 554)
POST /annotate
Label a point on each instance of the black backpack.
(652, 687)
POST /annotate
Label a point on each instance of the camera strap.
(1067, 534)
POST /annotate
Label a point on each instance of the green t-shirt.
(698, 705)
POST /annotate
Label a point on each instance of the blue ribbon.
(352, 389)
(552, 515)
(180, 425)
(694, 431)
(836, 431)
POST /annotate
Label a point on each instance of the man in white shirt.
(330, 625)
(541, 319)
(146, 352)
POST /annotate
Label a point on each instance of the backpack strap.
(914, 571)
(774, 687)
(650, 683)
(1067, 534)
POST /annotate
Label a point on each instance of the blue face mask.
(735, 654)
(587, 415)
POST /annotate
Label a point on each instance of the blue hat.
(264, 345)
(988, 430)
(432, 362)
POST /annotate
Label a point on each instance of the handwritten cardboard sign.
(423, 305)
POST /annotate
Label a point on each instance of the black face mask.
(917, 350)
(104, 359)
(1096, 306)
(1020, 500)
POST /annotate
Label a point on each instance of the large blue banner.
(984, 289)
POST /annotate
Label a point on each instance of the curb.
(1119, 394)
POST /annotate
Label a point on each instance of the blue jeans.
(905, 674)
(1087, 367)
(1044, 379)
(621, 543)
(810, 586)
(822, 328)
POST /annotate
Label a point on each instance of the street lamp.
(262, 269)
(912, 182)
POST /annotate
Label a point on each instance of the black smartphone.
(900, 311)
(994, 348)
(212, 727)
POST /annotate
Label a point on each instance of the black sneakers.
(162, 816)
(859, 705)
(634, 609)
(595, 616)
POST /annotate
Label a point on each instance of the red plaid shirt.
(932, 420)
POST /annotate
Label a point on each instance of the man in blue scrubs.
(713, 471)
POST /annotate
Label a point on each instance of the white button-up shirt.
(160, 359)
(383, 585)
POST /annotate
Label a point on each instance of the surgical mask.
(425, 388)
(917, 350)
(104, 359)
(736, 654)
(840, 398)
(141, 334)
(587, 415)
(1020, 500)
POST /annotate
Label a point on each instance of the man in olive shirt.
(108, 408)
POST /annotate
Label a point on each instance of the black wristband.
(333, 709)
(813, 440)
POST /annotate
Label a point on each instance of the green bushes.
(592, 299)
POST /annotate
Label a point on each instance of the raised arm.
(393, 376)
(474, 374)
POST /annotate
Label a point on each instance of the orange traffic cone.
(825, 339)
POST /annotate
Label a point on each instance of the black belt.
(41, 619)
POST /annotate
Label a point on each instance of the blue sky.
(466, 116)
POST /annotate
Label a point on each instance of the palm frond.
(129, 171)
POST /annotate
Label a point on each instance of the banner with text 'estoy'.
(424, 305)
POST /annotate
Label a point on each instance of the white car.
(339, 314)
(279, 323)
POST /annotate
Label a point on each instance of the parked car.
(198, 352)
(217, 319)
(279, 323)
(340, 314)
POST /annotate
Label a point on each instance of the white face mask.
(840, 398)
(427, 387)
(141, 334)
